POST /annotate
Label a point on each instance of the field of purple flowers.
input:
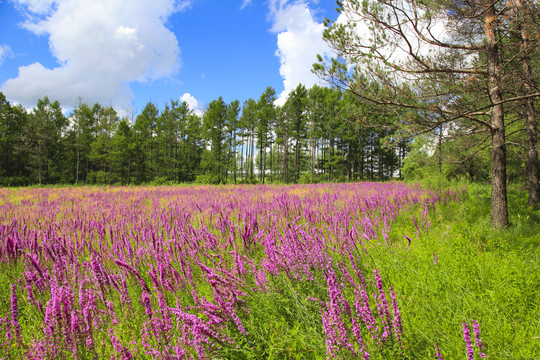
(244, 272)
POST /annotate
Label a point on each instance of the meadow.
(336, 271)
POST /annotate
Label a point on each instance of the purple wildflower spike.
(382, 306)
(396, 321)
(438, 353)
(479, 344)
(408, 240)
(15, 311)
(467, 339)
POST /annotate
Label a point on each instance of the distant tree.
(83, 132)
(526, 23)
(282, 130)
(46, 126)
(233, 110)
(266, 115)
(192, 147)
(295, 110)
(144, 131)
(168, 139)
(122, 154)
(101, 148)
(248, 123)
(215, 133)
(13, 151)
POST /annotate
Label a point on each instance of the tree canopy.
(454, 63)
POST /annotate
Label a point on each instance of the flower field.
(211, 272)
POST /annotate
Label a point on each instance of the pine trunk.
(532, 152)
(499, 203)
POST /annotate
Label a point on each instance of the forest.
(316, 136)
(320, 134)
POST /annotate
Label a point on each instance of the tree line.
(321, 134)
(315, 136)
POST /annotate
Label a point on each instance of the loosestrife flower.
(479, 344)
(467, 339)
(382, 306)
(147, 304)
(408, 240)
(416, 225)
(438, 352)
(77, 258)
(396, 321)
(15, 310)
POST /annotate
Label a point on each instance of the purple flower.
(115, 342)
(363, 311)
(112, 313)
(35, 264)
(467, 339)
(438, 353)
(408, 240)
(15, 310)
(479, 345)
(147, 304)
(396, 322)
(75, 331)
(416, 225)
(382, 306)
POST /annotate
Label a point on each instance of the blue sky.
(129, 52)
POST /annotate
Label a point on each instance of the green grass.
(484, 274)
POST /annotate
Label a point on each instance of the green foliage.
(215, 133)
(418, 164)
(481, 273)
(207, 179)
(308, 178)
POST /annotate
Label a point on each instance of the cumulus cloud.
(101, 46)
(299, 40)
(5, 52)
(192, 103)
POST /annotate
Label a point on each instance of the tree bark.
(286, 158)
(439, 149)
(532, 152)
(499, 203)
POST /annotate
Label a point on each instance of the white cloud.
(101, 46)
(192, 103)
(5, 52)
(246, 3)
(182, 5)
(299, 40)
(36, 7)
